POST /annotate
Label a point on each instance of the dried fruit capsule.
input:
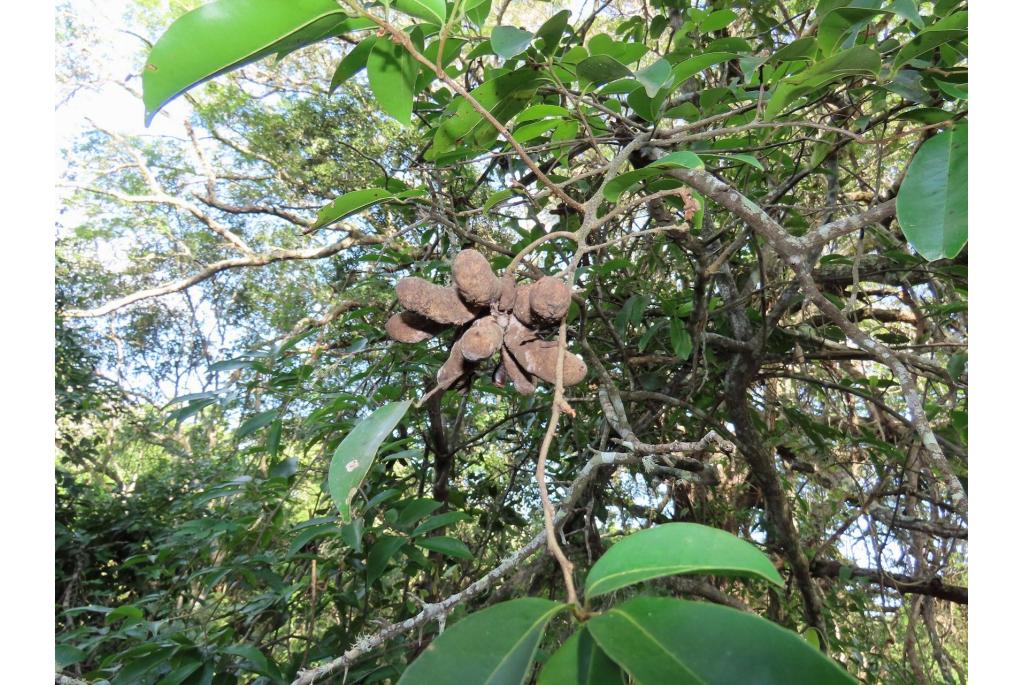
(474, 280)
(549, 300)
(410, 327)
(540, 357)
(432, 301)
(482, 339)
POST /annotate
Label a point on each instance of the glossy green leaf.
(509, 41)
(800, 50)
(504, 97)
(477, 11)
(446, 545)
(946, 30)
(932, 201)
(579, 661)
(440, 520)
(682, 344)
(680, 159)
(688, 68)
(350, 203)
(542, 112)
(430, 10)
(181, 673)
(840, 23)
(392, 73)
(227, 34)
(134, 670)
(66, 655)
(352, 63)
(717, 21)
(655, 76)
(355, 454)
(493, 646)
(551, 30)
(255, 422)
(380, 555)
(676, 548)
(599, 69)
(750, 160)
(857, 61)
(660, 640)
(908, 10)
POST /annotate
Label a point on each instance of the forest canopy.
(508, 342)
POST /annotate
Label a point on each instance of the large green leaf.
(946, 30)
(355, 454)
(350, 203)
(446, 545)
(494, 646)
(580, 662)
(380, 554)
(839, 23)
(429, 10)
(227, 34)
(392, 72)
(599, 69)
(659, 640)
(655, 76)
(932, 201)
(688, 68)
(353, 62)
(857, 61)
(675, 548)
(614, 189)
(504, 97)
(509, 41)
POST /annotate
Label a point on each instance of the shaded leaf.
(493, 646)
(579, 661)
(659, 640)
(352, 63)
(446, 545)
(430, 10)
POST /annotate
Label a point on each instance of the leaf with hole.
(931, 204)
(660, 640)
(494, 646)
(673, 549)
(355, 454)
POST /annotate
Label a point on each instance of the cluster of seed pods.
(492, 316)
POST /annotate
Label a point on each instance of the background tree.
(761, 207)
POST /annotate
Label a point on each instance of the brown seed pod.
(410, 327)
(549, 300)
(438, 304)
(453, 369)
(540, 357)
(521, 381)
(507, 296)
(482, 339)
(521, 307)
(474, 280)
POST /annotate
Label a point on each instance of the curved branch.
(224, 265)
